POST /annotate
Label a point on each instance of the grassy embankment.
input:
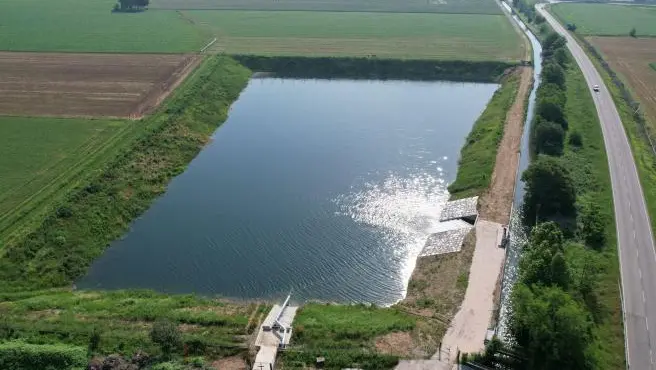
(478, 156)
(607, 19)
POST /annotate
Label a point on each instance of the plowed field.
(630, 58)
(109, 85)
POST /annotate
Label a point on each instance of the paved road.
(635, 242)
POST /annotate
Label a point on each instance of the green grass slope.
(607, 19)
(90, 26)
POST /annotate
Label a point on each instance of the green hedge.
(24, 356)
(375, 68)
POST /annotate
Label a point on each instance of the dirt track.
(497, 202)
(115, 85)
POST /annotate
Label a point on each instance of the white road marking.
(643, 298)
(640, 272)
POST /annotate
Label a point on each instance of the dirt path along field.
(497, 203)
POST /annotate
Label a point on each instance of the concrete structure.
(445, 242)
(465, 209)
(274, 334)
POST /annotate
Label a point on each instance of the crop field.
(389, 35)
(631, 58)
(407, 6)
(90, 26)
(608, 20)
(42, 158)
(88, 84)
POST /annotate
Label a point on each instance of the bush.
(550, 110)
(18, 355)
(632, 33)
(591, 223)
(166, 335)
(553, 73)
(575, 139)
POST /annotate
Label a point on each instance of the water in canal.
(518, 235)
(328, 188)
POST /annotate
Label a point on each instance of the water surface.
(326, 187)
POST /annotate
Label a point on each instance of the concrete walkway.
(469, 326)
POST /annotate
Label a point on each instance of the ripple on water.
(405, 210)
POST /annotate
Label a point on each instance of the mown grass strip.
(61, 249)
(478, 156)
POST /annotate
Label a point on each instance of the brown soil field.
(74, 85)
(630, 58)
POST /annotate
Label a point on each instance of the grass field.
(606, 19)
(43, 158)
(389, 35)
(90, 26)
(407, 6)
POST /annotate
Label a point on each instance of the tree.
(549, 109)
(549, 138)
(561, 57)
(543, 262)
(552, 42)
(571, 27)
(553, 92)
(539, 19)
(552, 327)
(591, 226)
(553, 73)
(166, 335)
(632, 33)
(550, 190)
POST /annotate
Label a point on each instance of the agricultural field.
(631, 58)
(116, 85)
(42, 158)
(408, 6)
(607, 19)
(386, 35)
(90, 26)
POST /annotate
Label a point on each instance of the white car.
(595, 88)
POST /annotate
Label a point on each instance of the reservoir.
(328, 188)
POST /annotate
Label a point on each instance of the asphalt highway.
(634, 237)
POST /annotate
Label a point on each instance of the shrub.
(18, 355)
(166, 335)
(575, 139)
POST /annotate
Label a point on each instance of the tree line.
(131, 5)
(555, 302)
